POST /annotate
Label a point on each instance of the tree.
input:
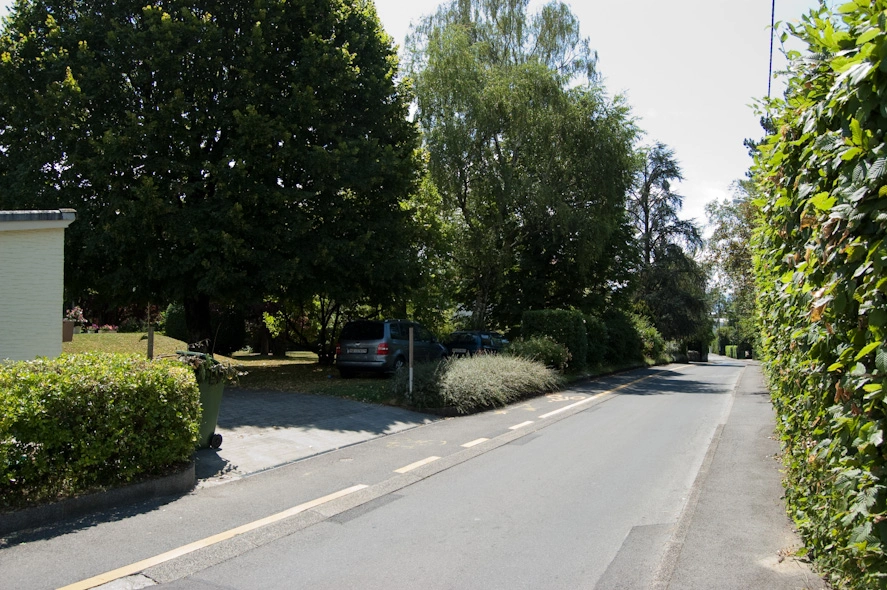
(730, 251)
(530, 157)
(653, 205)
(214, 150)
(671, 283)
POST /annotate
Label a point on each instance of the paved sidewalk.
(735, 533)
(265, 429)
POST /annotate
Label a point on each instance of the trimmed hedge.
(822, 273)
(597, 336)
(476, 383)
(565, 327)
(90, 421)
(624, 344)
(542, 349)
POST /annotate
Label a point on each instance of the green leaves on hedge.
(89, 421)
(820, 266)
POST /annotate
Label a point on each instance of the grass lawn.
(298, 371)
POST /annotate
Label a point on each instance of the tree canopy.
(214, 150)
(531, 158)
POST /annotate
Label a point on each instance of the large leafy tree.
(531, 159)
(214, 149)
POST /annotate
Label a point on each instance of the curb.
(28, 518)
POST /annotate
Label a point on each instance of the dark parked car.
(469, 342)
(382, 346)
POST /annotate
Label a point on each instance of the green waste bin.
(211, 385)
(210, 401)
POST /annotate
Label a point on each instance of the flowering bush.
(76, 315)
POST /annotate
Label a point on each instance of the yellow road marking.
(412, 466)
(139, 566)
(521, 425)
(597, 395)
(475, 442)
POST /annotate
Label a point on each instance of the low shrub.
(652, 341)
(542, 349)
(426, 384)
(471, 384)
(90, 421)
(565, 327)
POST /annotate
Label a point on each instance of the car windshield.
(363, 331)
(461, 339)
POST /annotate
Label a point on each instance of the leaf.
(872, 387)
(867, 36)
(851, 153)
(823, 201)
(881, 361)
(866, 350)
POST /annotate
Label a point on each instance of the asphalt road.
(586, 488)
(552, 509)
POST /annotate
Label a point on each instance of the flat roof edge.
(37, 215)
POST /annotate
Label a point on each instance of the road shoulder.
(734, 533)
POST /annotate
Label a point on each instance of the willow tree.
(215, 150)
(530, 156)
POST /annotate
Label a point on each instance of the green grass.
(297, 371)
(127, 343)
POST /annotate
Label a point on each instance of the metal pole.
(411, 362)
(150, 335)
(772, 33)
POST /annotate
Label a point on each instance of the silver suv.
(383, 346)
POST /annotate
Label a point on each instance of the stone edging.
(177, 483)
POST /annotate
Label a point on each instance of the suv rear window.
(363, 331)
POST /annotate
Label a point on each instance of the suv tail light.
(382, 349)
(338, 349)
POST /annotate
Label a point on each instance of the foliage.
(671, 284)
(476, 383)
(88, 421)
(215, 151)
(207, 369)
(820, 263)
(652, 340)
(729, 250)
(174, 325)
(624, 344)
(596, 331)
(653, 206)
(541, 349)
(532, 190)
(673, 290)
(565, 327)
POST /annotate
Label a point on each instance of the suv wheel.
(399, 363)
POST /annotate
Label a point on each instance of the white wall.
(31, 284)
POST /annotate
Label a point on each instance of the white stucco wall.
(31, 284)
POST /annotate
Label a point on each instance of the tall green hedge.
(565, 327)
(88, 421)
(821, 261)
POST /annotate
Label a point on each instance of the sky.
(690, 69)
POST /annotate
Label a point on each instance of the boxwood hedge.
(89, 421)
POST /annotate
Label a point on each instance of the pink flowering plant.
(75, 314)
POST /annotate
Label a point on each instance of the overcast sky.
(689, 68)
